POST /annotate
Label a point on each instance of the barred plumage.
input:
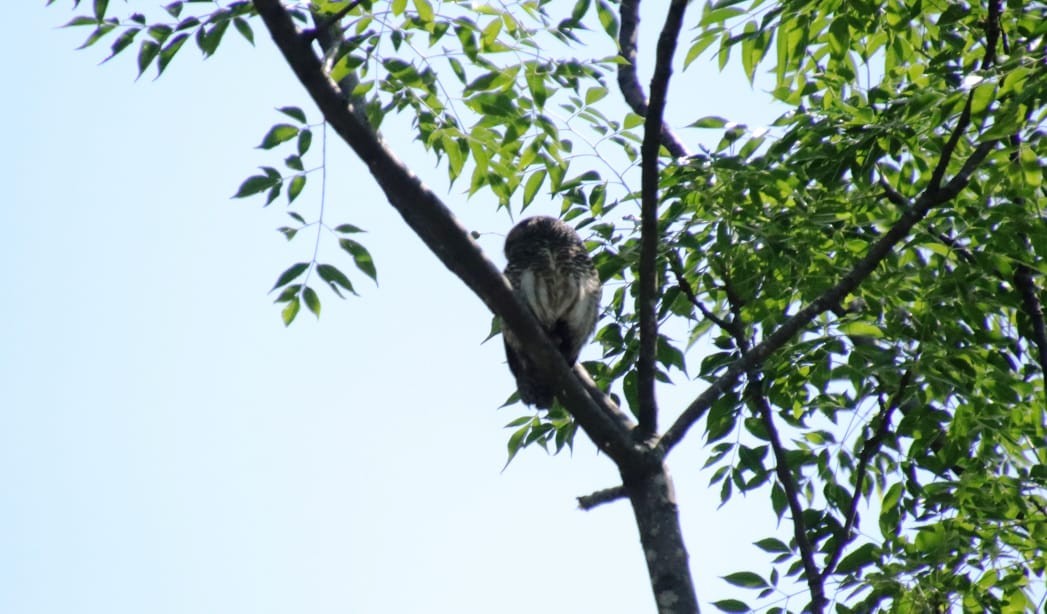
(551, 272)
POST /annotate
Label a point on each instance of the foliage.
(917, 397)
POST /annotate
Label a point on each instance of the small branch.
(930, 198)
(992, 33)
(893, 195)
(869, 448)
(1026, 285)
(781, 460)
(950, 145)
(607, 495)
(792, 495)
(323, 24)
(629, 83)
(685, 286)
(648, 272)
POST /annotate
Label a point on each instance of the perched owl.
(551, 272)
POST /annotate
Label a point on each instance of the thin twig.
(607, 495)
(950, 145)
(685, 286)
(648, 272)
(869, 448)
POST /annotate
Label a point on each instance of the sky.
(168, 446)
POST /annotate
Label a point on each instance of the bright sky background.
(167, 446)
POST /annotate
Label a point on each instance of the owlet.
(552, 274)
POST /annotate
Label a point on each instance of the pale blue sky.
(167, 446)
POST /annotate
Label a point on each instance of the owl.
(552, 274)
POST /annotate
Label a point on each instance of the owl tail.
(534, 392)
(531, 388)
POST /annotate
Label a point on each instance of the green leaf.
(293, 162)
(594, 94)
(710, 121)
(863, 556)
(99, 32)
(770, 544)
(244, 29)
(100, 6)
(533, 184)
(745, 579)
(425, 10)
(168, 52)
(288, 293)
(334, 278)
(122, 42)
(294, 113)
(361, 256)
(305, 139)
(348, 229)
(146, 53)
(536, 85)
(174, 9)
(608, 19)
(312, 301)
(731, 605)
(255, 184)
(209, 39)
(292, 273)
(159, 32)
(279, 133)
(295, 188)
(290, 311)
(581, 7)
(861, 329)
(81, 21)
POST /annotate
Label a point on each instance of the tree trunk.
(657, 518)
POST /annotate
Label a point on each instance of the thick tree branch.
(438, 228)
(649, 239)
(930, 198)
(607, 495)
(869, 448)
(653, 500)
(629, 83)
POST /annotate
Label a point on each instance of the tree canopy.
(855, 293)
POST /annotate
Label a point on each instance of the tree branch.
(754, 391)
(323, 23)
(438, 228)
(607, 495)
(893, 195)
(930, 198)
(869, 448)
(1034, 310)
(815, 582)
(648, 271)
(629, 83)
(685, 286)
